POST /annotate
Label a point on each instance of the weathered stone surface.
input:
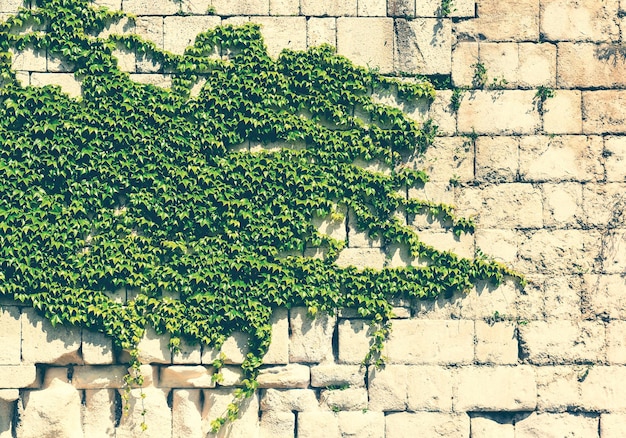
(362, 424)
(500, 388)
(186, 376)
(311, 339)
(156, 7)
(462, 245)
(545, 342)
(29, 60)
(429, 388)
(275, 424)
(603, 205)
(348, 399)
(604, 296)
(278, 351)
(6, 419)
(51, 412)
(448, 157)
(615, 161)
(401, 8)
(158, 80)
(352, 32)
(288, 400)
(502, 20)
(423, 46)
(616, 342)
(215, 405)
(562, 296)
(591, 65)
(562, 113)
(496, 343)
(321, 31)
(11, 6)
(186, 413)
(498, 112)
(357, 238)
(251, 7)
(431, 342)
(234, 350)
(497, 159)
(486, 427)
(604, 111)
(158, 416)
(316, 424)
(42, 343)
(283, 33)
(99, 413)
(427, 425)
(500, 244)
(333, 8)
(154, 348)
(388, 388)
(562, 204)
(464, 57)
(546, 425)
(371, 8)
(10, 335)
(288, 376)
(98, 377)
(231, 375)
(602, 389)
(188, 353)
(97, 348)
(558, 387)
(561, 158)
(586, 20)
(68, 83)
(181, 32)
(612, 425)
(362, 258)
(151, 29)
(485, 300)
(284, 7)
(337, 375)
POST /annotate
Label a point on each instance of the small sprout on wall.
(479, 79)
(543, 93)
(446, 8)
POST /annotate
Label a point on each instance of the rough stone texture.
(615, 161)
(612, 425)
(591, 65)
(603, 206)
(337, 375)
(388, 388)
(362, 258)
(379, 32)
(562, 113)
(616, 342)
(557, 426)
(316, 424)
(99, 413)
(158, 416)
(486, 427)
(496, 342)
(216, 403)
(605, 296)
(289, 400)
(563, 204)
(18, 376)
(6, 419)
(497, 159)
(430, 388)
(284, 7)
(41, 343)
(464, 57)
(448, 157)
(604, 111)
(283, 33)
(585, 20)
(427, 425)
(503, 20)
(371, 8)
(362, 424)
(98, 377)
(157, 7)
(321, 31)
(249, 7)
(181, 32)
(348, 399)
(10, 336)
(96, 348)
(234, 350)
(186, 413)
(68, 83)
(182, 376)
(401, 8)
(288, 376)
(422, 46)
(311, 339)
(334, 8)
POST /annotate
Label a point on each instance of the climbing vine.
(139, 188)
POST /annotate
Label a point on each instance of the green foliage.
(543, 93)
(457, 97)
(145, 190)
(479, 79)
(446, 8)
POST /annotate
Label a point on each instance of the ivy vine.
(142, 188)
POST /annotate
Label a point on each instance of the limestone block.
(289, 400)
(547, 425)
(501, 61)
(423, 46)
(98, 377)
(156, 7)
(9, 395)
(485, 300)
(433, 192)
(333, 8)
(151, 29)
(498, 112)
(99, 413)
(502, 20)
(354, 340)
(615, 161)
(545, 342)
(325, 375)
(51, 412)
(378, 32)
(68, 83)
(497, 159)
(311, 339)
(558, 251)
(496, 343)
(278, 351)
(499, 388)
(275, 424)
(429, 388)
(215, 405)
(446, 158)
(29, 60)
(231, 376)
(431, 342)
(463, 9)
(194, 7)
(612, 254)
(464, 56)
(284, 7)
(18, 376)
(605, 111)
(186, 376)
(115, 5)
(563, 296)
(602, 389)
(562, 113)
(518, 205)
(321, 31)
(562, 204)
(10, 335)
(158, 416)
(349, 399)
(362, 424)
(158, 80)
(616, 342)
(97, 348)
(558, 387)
(42, 343)
(604, 296)
(485, 427)
(590, 65)
(188, 353)
(561, 158)
(499, 244)
(388, 388)
(462, 245)
(427, 425)
(612, 425)
(7, 412)
(283, 33)
(288, 376)
(180, 32)
(537, 65)
(371, 8)
(603, 204)
(11, 6)
(186, 413)
(441, 111)
(234, 349)
(317, 424)
(586, 20)
(154, 347)
(401, 8)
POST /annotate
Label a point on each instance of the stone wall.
(547, 182)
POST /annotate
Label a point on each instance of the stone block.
(321, 31)
(68, 83)
(158, 80)
(558, 387)
(496, 343)
(591, 65)
(429, 388)
(98, 413)
(7, 413)
(586, 20)
(563, 296)
(602, 389)
(275, 424)
(464, 56)
(616, 342)
(311, 339)
(562, 113)
(335, 228)
(603, 204)
(326, 375)
(348, 399)
(186, 376)
(10, 335)
(497, 159)
(441, 111)
(379, 32)
(278, 351)
(216, 404)
(362, 424)
(447, 158)
(43, 343)
(158, 416)
(371, 8)
(486, 427)
(547, 425)
(362, 258)
(9, 395)
(357, 238)
(401, 8)
(18, 376)
(194, 7)
(604, 111)
(485, 300)
(29, 60)
(150, 29)
(234, 348)
(500, 388)
(499, 244)
(249, 7)
(615, 161)
(288, 376)
(231, 375)
(563, 204)
(462, 245)
(156, 7)
(11, 6)
(186, 413)
(332, 8)
(547, 342)
(317, 424)
(97, 348)
(612, 425)
(502, 20)
(99, 377)
(289, 400)
(284, 7)
(537, 65)
(180, 32)
(604, 296)
(154, 347)
(427, 425)
(417, 341)
(388, 388)
(499, 112)
(187, 353)
(561, 158)
(423, 46)
(283, 33)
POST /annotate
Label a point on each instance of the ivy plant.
(140, 188)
